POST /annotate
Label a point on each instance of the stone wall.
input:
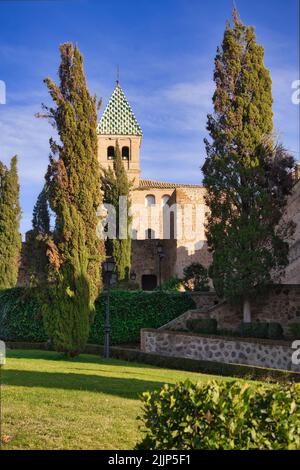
(204, 300)
(187, 243)
(292, 272)
(269, 354)
(144, 261)
(279, 304)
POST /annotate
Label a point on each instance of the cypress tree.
(115, 184)
(73, 181)
(247, 175)
(37, 241)
(10, 215)
(40, 216)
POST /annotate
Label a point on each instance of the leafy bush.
(173, 284)
(275, 331)
(264, 330)
(254, 330)
(202, 325)
(195, 278)
(20, 318)
(221, 415)
(294, 329)
(131, 311)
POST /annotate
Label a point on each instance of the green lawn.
(83, 403)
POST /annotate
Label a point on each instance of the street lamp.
(132, 276)
(109, 266)
(161, 255)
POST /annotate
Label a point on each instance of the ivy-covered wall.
(21, 320)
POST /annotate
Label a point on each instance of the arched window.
(164, 200)
(150, 200)
(125, 153)
(150, 234)
(110, 152)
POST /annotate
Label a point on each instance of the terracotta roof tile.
(148, 184)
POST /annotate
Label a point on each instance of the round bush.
(221, 416)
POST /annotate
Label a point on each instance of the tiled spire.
(118, 118)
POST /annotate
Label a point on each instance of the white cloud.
(286, 114)
(22, 134)
(192, 94)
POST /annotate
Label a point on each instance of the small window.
(149, 200)
(125, 153)
(164, 200)
(134, 234)
(150, 234)
(110, 152)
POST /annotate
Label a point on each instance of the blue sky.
(165, 50)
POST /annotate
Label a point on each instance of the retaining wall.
(261, 353)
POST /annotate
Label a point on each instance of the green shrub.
(131, 311)
(202, 325)
(294, 330)
(275, 331)
(254, 330)
(173, 284)
(263, 330)
(195, 278)
(221, 415)
(20, 318)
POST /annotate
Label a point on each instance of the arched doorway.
(149, 281)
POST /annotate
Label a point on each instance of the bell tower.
(118, 123)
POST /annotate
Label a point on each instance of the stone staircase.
(179, 323)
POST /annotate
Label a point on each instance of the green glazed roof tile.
(118, 118)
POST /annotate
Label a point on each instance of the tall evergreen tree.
(10, 215)
(73, 182)
(37, 239)
(115, 184)
(40, 216)
(246, 174)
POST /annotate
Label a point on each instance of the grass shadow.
(121, 387)
(83, 358)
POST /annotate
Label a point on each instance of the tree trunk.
(246, 311)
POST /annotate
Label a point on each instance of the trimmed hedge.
(206, 326)
(275, 331)
(20, 318)
(221, 416)
(131, 311)
(294, 329)
(262, 330)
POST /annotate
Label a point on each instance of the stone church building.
(167, 217)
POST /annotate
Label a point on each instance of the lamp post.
(108, 270)
(161, 255)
